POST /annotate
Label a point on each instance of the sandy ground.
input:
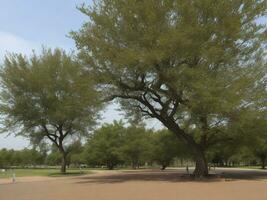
(139, 185)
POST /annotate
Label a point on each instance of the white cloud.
(13, 43)
(12, 142)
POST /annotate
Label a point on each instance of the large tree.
(47, 97)
(190, 64)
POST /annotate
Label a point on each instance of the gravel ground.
(140, 185)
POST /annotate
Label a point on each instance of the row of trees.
(114, 145)
(36, 157)
(198, 67)
(25, 157)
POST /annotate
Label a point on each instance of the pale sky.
(29, 24)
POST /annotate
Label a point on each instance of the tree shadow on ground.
(242, 174)
(173, 176)
(145, 175)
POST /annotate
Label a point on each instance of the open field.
(140, 185)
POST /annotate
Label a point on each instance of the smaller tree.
(4, 158)
(166, 148)
(251, 129)
(104, 146)
(53, 159)
(136, 145)
(75, 156)
(261, 153)
(47, 97)
(259, 126)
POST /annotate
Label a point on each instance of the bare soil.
(171, 184)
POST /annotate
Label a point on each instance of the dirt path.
(140, 185)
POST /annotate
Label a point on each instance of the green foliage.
(75, 155)
(114, 144)
(45, 90)
(166, 147)
(25, 157)
(137, 146)
(47, 97)
(252, 127)
(193, 65)
(53, 159)
(104, 146)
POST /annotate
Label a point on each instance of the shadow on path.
(242, 174)
(177, 175)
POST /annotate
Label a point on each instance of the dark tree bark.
(201, 167)
(63, 159)
(198, 150)
(263, 162)
(63, 163)
(58, 141)
(64, 156)
(110, 165)
(134, 165)
(163, 167)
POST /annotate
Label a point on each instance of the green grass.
(43, 172)
(243, 166)
(251, 167)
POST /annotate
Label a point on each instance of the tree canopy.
(104, 146)
(47, 97)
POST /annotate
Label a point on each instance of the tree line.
(116, 146)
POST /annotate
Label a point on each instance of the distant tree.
(104, 146)
(257, 128)
(136, 146)
(5, 158)
(260, 152)
(249, 128)
(166, 148)
(20, 158)
(47, 98)
(53, 159)
(192, 65)
(75, 153)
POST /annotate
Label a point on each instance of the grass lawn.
(43, 172)
(245, 167)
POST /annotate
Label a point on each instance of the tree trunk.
(110, 165)
(263, 162)
(163, 167)
(63, 163)
(63, 158)
(182, 162)
(133, 164)
(201, 167)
